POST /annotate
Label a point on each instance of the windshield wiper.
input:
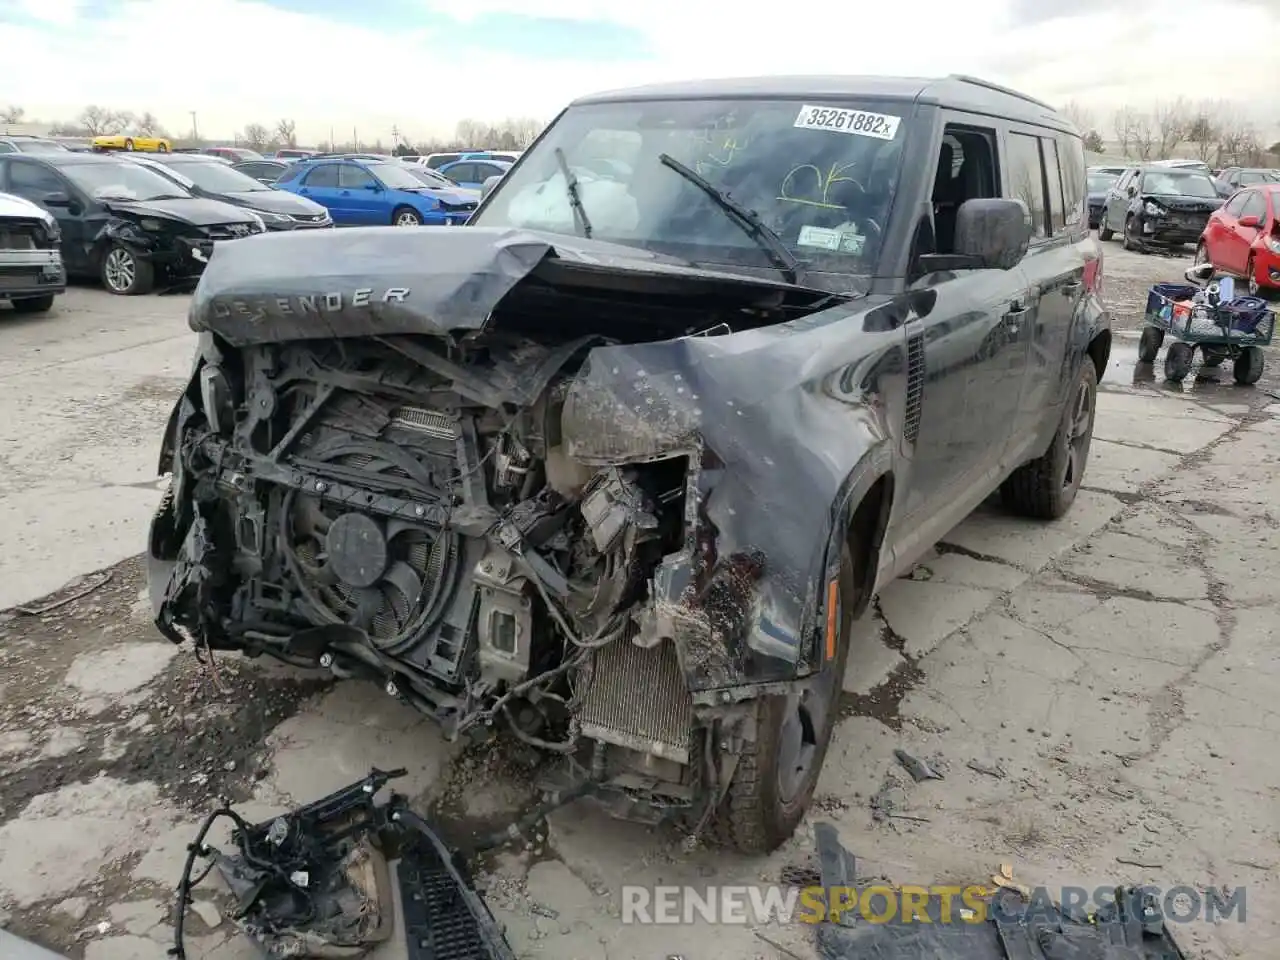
(575, 199)
(748, 220)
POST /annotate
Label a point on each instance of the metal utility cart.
(1235, 328)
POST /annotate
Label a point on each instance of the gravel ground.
(1099, 693)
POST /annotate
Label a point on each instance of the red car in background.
(1242, 238)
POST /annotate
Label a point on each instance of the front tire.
(1251, 277)
(34, 304)
(1248, 366)
(1129, 241)
(1178, 361)
(406, 217)
(1149, 344)
(125, 274)
(773, 784)
(1045, 487)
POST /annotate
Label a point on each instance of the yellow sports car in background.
(124, 141)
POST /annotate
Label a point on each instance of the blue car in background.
(377, 192)
(473, 173)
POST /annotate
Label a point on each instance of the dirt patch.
(73, 708)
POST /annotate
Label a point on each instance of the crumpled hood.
(14, 206)
(371, 281)
(1182, 204)
(275, 201)
(454, 195)
(193, 210)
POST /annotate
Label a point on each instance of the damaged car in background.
(31, 271)
(616, 466)
(123, 224)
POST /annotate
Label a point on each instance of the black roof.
(72, 159)
(958, 91)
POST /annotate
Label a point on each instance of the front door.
(35, 182)
(973, 344)
(362, 196)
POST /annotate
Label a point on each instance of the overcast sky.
(424, 64)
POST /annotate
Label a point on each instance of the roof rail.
(978, 82)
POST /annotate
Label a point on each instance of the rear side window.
(1053, 177)
(1074, 179)
(435, 163)
(325, 176)
(1026, 180)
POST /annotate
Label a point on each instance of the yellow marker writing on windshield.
(796, 180)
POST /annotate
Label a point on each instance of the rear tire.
(162, 147)
(1149, 344)
(1178, 361)
(1045, 487)
(128, 144)
(756, 817)
(34, 304)
(1248, 366)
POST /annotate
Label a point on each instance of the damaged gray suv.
(616, 465)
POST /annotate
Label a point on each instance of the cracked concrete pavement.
(1098, 692)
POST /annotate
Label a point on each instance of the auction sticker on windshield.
(839, 120)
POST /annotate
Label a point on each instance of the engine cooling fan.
(388, 577)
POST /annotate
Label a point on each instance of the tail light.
(1093, 274)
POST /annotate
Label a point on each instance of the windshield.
(430, 178)
(1179, 183)
(40, 146)
(122, 180)
(1101, 182)
(394, 176)
(216, 177)
(819, 175)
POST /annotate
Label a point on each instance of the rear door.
(34, 182)
(1036, 160)
(321, 185)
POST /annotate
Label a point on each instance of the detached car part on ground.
(31, 271)
(626, 503)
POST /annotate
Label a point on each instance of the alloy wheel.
(119, 270)
(1079, 436)
(408, 218)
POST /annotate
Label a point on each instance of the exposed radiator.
(638, 699)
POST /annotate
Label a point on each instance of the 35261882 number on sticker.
(860, 123)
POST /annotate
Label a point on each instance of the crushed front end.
(461, 487)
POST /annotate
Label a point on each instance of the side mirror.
(487, 187)
(375, 187)
(57, 199)
(993, 233)
(1132, 191)
(1251, 221)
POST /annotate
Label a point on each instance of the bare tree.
(286, 133)
(1122, 124)
(1143, 135)
(1093, 142)
(12, 113)
(1078, 114)
(1172, 121)
(95, 120)
(149, 126)
(255, 135)
(1203, 133)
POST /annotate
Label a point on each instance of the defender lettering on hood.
(260, 308)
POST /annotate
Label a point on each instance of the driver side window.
(351, 177)
(1236, 204)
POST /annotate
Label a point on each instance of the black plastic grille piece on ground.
(439, 924)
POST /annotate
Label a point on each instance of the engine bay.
(362, 500)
